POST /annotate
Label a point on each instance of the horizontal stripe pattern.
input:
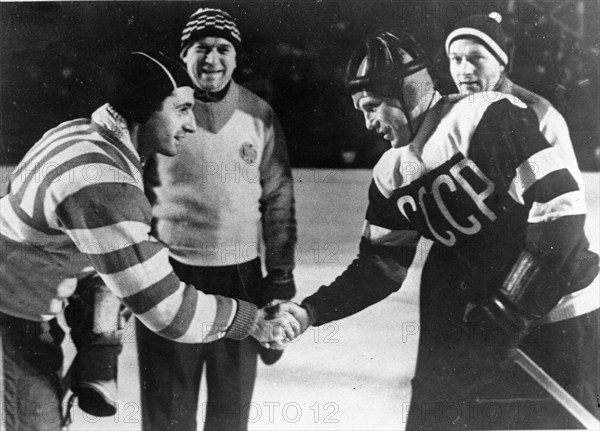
(111, 237)
(103, 204)
(65, 130)
(141, 275)
(568, 204)
(77, 187)
(378, 235)
(530, 172)
(216, 311)
(185, 314)
(141, 302)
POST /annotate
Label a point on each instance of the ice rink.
(353, 374)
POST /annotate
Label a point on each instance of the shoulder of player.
(468, 111)
(481, 102)
(389, 172)
(246, 96)
(531, 99)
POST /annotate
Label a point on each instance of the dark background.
(56, 59)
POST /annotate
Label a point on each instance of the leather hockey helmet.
(380, 64)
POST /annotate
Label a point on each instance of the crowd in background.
(295, 60)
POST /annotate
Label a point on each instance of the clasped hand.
(279, 324)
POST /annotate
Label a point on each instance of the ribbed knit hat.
(142, 81)
(206, 22)
(485, 29)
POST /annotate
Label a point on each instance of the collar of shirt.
(114, 127)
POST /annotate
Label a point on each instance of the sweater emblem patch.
(248, 153)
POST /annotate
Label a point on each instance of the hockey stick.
(558, 392)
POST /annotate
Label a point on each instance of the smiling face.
(169, 124)
(210, 62)
(384, 116)
(473, 67)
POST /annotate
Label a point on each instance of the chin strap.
(410, 115)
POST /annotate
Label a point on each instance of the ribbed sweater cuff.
(243, 321)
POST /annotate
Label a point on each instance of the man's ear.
(184, 52)
(501, 68)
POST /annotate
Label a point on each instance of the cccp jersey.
(481, 181)
(485, 183)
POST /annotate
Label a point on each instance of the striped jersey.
(482, 182)
(77, 200)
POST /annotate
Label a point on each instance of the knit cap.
(142, 81)
(486, 30)
(210, 22)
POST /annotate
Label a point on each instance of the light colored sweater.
(230, 181)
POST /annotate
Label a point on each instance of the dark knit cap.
(142, 81)
(210, 22)
(486, 30)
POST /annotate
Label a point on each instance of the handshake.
(279, 323)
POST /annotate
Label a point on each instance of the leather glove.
(530, 290)
(498, 335)
(278, 284)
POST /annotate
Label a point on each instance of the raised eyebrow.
(366, 105)
(184, 105)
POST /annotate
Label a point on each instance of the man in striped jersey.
(509, 265)
(77, 200)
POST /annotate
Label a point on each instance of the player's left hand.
(498, 336)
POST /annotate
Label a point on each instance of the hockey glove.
(530, 291)
(278, 284)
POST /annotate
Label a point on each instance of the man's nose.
(369, 121)
(190, 124)
(210, 56)
(466, 67)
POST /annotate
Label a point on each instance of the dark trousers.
(31, 374)
(457, 386)
(170, 372)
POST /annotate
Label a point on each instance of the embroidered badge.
(248, 153)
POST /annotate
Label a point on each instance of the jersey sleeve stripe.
(14, 227)
(36, 166)
(211, 320)
(104, 204)
(550, 187)
(74, 128)
(29, 221)
(383, 211)
(138, 277)
(567, 204)
(122, 258)
(534, 169)
(183, 319)
(111, 237)
(61, 174)
(144, 301)
(378, 235)
(224, 310)
(57, 162)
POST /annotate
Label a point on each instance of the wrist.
(244, 322)
(311, 312)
